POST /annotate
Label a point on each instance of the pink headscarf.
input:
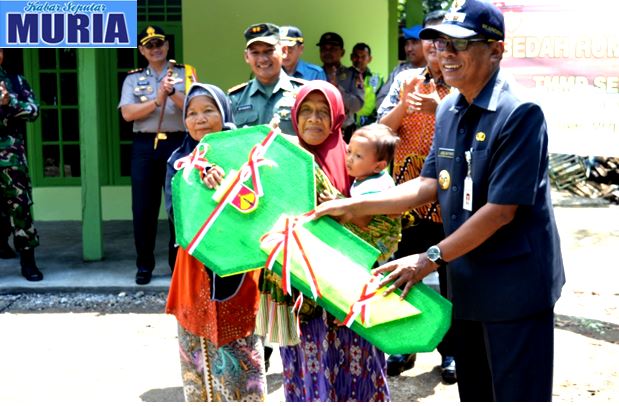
(331, 154)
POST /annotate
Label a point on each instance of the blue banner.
(68, 24)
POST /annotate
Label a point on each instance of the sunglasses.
(156, 43)
(457, 44)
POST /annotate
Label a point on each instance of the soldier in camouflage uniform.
(17, 105)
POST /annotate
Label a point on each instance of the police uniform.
(506, 288)
(372, 83)
(15, 184)
(148, 160)
(309, 71)
(253, 104)
(292, 36)
(349, 84)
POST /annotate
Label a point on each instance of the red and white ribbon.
(361, 306)
(195, 160)
(297, 310)
(247, 171)
(289, 242)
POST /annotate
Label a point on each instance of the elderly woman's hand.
(326, 196)
(213, 177)
(405, 272)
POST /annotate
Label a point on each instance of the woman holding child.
(328, 361)
(331, 362)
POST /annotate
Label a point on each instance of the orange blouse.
(220, 322)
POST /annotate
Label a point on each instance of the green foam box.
(231, 243)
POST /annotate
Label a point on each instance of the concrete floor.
(60, 259)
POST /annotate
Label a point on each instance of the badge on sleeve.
(444, 179)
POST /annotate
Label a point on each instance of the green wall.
(65, 203)
(213, 42)
(213, 31)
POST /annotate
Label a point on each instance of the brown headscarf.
(331, 154)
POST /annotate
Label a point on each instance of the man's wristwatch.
(434, 254)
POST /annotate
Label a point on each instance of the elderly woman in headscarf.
(327, 362)
(221, 357)
(331, 362)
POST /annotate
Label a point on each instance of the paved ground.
(126, 358)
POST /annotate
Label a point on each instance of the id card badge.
(467, 199)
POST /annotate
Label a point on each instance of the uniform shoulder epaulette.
(298, 81)
(237, 87)
(138, 70)
(315, 68)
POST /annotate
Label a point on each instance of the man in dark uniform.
(488, 167)
(145, 93)
(343, 77)
(17, 105)
(269, 96)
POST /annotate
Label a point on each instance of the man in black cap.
(488, 168)
(268, 98)
(344, 78)
(153, 98)
(292, 40)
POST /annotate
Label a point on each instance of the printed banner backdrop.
(570, 63)
(68, 24)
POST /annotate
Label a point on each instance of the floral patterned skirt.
(333, 364)
(231, 373)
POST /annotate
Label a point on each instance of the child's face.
(361, 159)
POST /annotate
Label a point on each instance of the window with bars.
(59, 114)
(53, 73)
(159, 10)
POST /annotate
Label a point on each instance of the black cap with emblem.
(263, 32)
(149, 33)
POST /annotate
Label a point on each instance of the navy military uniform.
(149, 159)
(505, 289)
(15, 184)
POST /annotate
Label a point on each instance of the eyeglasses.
(457, 44)
(156, 43)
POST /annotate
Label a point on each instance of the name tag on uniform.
(446, 153)
(467, 196)
(245, 107)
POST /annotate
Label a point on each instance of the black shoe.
(29, 269)
(6, 252)
(448, 370)
(142, 276)
(398, 363)
(267, 356)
